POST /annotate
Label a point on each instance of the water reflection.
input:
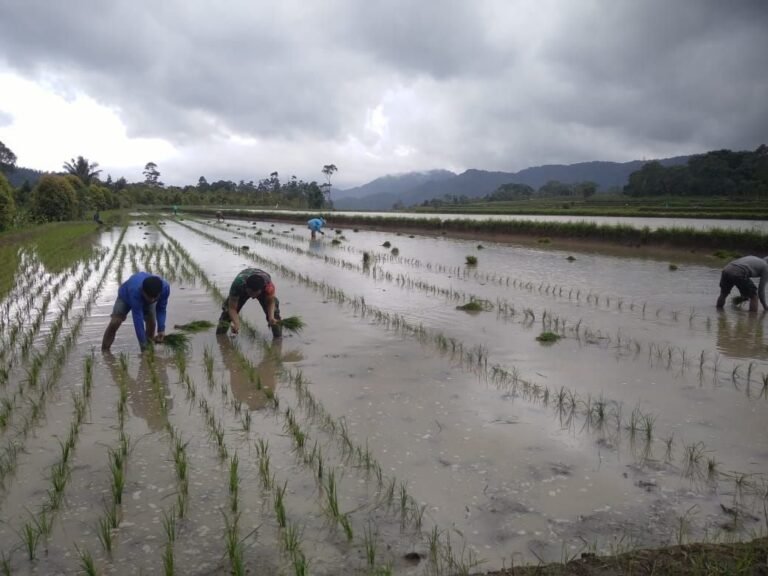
(741, 335)
(316, 246)
(248, 384)
(142, 398)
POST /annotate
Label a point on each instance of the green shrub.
(54, 199)
(7, 205)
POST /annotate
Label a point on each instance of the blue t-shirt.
(131, 293)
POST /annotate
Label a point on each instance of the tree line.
(723, 173)
(79, 191)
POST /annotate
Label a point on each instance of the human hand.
(235, 329)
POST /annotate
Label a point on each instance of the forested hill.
(18, 176)
(478, 183)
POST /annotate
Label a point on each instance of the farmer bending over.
(738, 273)
(250, 283)
(146, 297)
(315, 226)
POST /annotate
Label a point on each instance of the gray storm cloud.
(461, 84)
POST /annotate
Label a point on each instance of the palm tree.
(84, 170)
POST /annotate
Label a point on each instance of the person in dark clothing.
(739, 273)
(250, 283)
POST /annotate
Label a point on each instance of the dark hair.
(255, 282)
(152, 286)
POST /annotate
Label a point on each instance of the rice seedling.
(548, 337)
(194, 326)
(332, 498)
(346, 525)
(395, 251)
(169, 524)
(87, 564)
(177, 341)
(105, 535)
(279, 500)
(292, 324)
(471, 260)
(30, 537)
(300, 564)
(370, 536)
(168, 560)
(672, 267)
(291, 539)
(693, 455)
(387, 244)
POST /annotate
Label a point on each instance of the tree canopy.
(7, 159)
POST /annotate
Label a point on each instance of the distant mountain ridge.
(410, 189)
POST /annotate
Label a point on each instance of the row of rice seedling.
(506, 310)
(40, 526)
(410, 511)
(55, 355)
(473, 359)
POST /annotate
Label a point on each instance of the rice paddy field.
(448, 407)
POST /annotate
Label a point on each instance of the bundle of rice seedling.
(292, 324)
(194, 326)
(476, 306)
(176, 340)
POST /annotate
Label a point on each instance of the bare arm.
(761, 288)
(271, 310)
(233, 314)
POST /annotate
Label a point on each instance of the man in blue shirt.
(315, 226)
(145, 296)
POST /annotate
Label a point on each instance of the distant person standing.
(315, 225)
(97, 218)
(219, 216)
(739, 273)
(250, 283)
(145, 296)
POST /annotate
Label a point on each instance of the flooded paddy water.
(395, 433)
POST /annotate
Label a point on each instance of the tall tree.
(85, 171)
(329, 170)
(7, 159)
(152, 175)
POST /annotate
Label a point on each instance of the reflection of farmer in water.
(249, 388)
(142, 398)
(741, 336)
(739, 273)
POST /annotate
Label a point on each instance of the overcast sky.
(235, 90)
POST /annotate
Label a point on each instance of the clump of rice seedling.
(194, 326)
(571, 258)
(476, 306)
(548, 337)
(387, 244)
(395, 251)
(471, 260)
(726, 254)
(176, 341)
(480, 247)
(244, 247)
(544, 240)
(672, 267)
(366, 258)
(738, 300)
(335, 241)
(293, 324)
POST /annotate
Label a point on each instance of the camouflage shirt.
(237, 290)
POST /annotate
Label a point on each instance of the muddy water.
(517, 475)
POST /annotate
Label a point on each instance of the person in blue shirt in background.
(145, 296)
(315, 226)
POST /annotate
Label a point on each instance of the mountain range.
(416, 187)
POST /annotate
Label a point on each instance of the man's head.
(152, 287)
(256, 284)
